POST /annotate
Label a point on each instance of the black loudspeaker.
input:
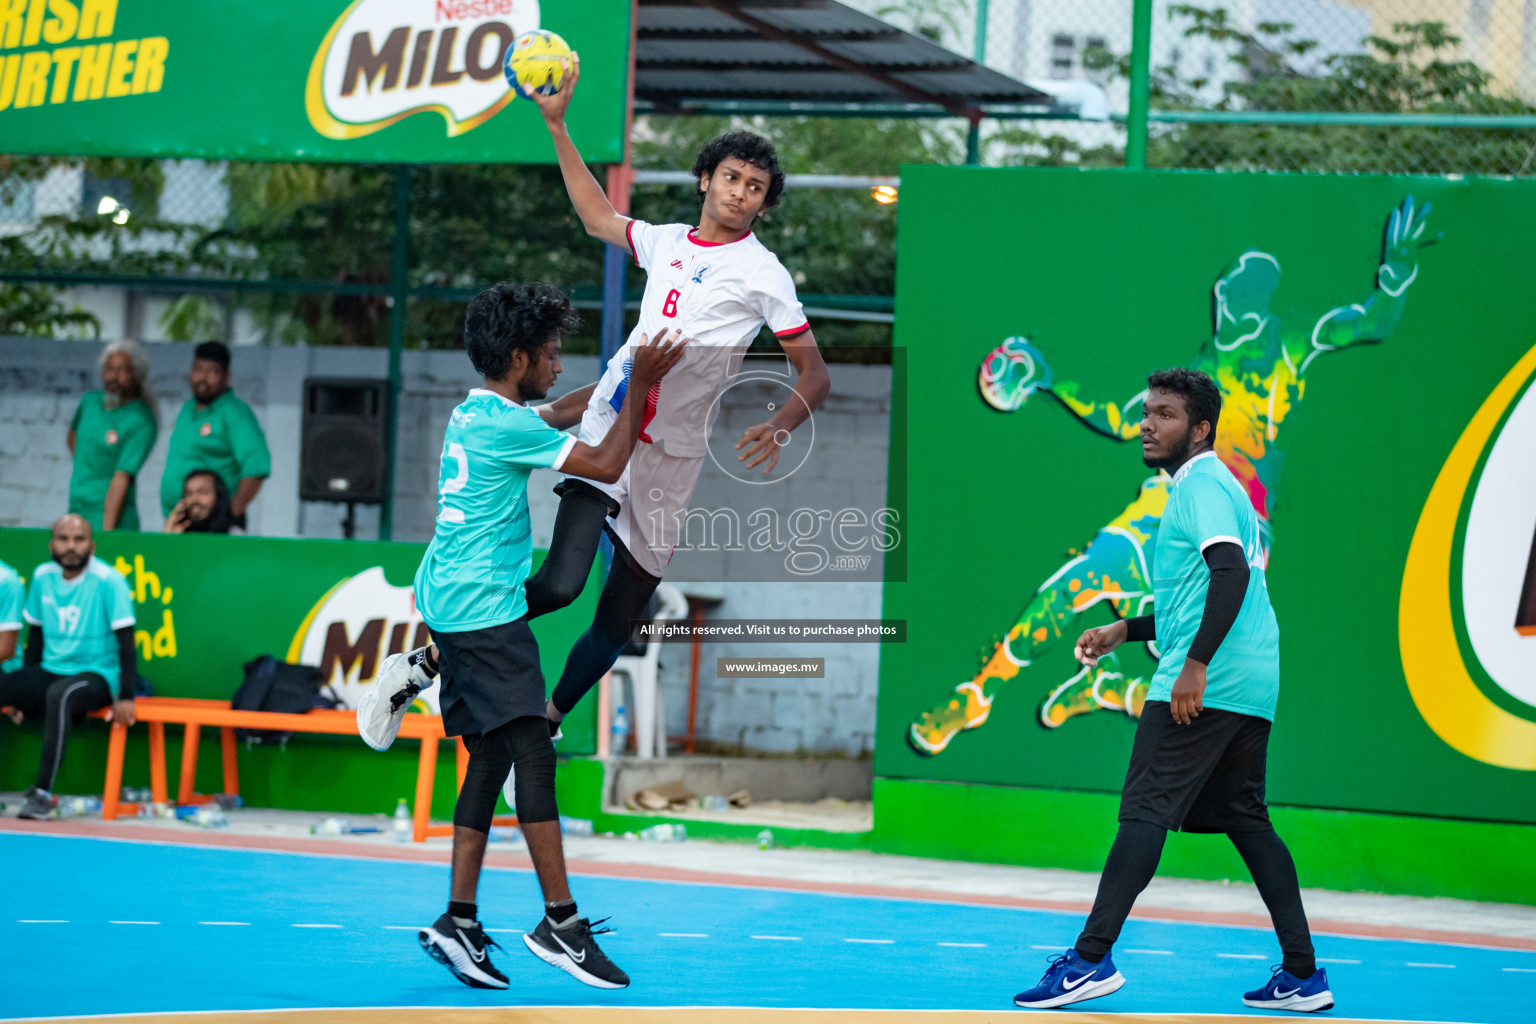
(344, 442)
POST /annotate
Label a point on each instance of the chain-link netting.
(1323, 58)
(1365, 86)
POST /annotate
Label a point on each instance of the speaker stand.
(349, 521)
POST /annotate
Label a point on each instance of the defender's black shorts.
(1207, 776)
(489, 677)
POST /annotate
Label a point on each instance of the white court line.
(976, 945)
(1150, 952)
(314, 926)
(498, 931)
(228, 924)
(1326, 960)
(684, 935)
(133, 922)
(411, 928)
(1242, 956)
(873, 942)
(1447, 966)
(777, 938)
(1520, 970)
(41, 922)
(1044, 947)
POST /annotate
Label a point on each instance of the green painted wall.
(214, 603)
(1110, 275)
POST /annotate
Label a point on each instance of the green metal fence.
(1348, 86)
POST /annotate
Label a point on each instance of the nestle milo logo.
(384, 60)
(354, 627)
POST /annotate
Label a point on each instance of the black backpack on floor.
(272, 685)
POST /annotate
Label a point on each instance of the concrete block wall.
(40, 384)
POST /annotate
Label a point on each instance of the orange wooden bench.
(193, 714)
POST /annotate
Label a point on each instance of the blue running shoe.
(1285, 991)
(1071, 979)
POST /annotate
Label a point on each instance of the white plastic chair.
(648, 717)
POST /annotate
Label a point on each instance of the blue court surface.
(93, 926)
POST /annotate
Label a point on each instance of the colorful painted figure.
(1259, 360)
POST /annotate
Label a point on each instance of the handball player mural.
(1261, 355)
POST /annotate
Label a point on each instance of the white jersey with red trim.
(719, 294)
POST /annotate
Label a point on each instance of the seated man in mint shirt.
(217, 431)
(12, 595)
(1198, 761)
(79, 650)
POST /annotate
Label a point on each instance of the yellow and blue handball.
(533, 63)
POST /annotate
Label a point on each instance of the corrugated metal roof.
(808, 56)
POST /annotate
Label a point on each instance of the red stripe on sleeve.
(793, 331)
(629, 236)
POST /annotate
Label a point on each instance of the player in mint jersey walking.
(1198, 760)
(469, 589)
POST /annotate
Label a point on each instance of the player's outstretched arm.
(812, 382)
(597, 214)
(1121, 422)
(1375, 318)
(605, 462)
(565, 412)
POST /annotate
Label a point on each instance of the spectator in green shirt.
(110, 437)
(217, 431)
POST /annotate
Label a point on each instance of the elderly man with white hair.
(110, 437)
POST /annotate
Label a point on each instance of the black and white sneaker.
(571, 948)
(463, 951)
(38, 805)
(384, 704)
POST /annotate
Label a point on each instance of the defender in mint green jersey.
(1203, 737)
(482, 546)
(13, 594)
(79, 650)
(469, 589)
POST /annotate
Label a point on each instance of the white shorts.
(653, 494)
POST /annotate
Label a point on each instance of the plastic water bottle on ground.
(210, 816)
(666, 832)
(228, 801)
(765, 840)
(148, 809)
(402, 827)
(714, 802)
(576, 826)
(331, 827)
(620, 731)
(79, 806)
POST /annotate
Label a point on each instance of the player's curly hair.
(748, 148)
(1202, 398)
(507, 317)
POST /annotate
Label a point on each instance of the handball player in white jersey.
(718, 285)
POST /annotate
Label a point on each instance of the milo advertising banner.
(410, 81)
(1374, 342)
(206, 605)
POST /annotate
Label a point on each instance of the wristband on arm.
(1141, 629)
